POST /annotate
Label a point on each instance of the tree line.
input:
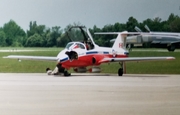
(11, 34)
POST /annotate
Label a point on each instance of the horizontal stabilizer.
(161, 34)
(114, 33)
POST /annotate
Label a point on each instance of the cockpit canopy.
(81, 34)
(74, 45)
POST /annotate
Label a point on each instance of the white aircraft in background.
(87, 56)
(168, 40)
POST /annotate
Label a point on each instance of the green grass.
(150, 67)
(27, 66)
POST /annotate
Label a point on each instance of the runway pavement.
(89, 94)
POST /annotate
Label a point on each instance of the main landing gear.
(171, 47)
(120, 71)
(58, 70)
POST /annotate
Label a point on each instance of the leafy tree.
(171, 18)
(131, 23)
(32, 29)
(40, 36)
(157, 25)
(34, 41)
(40, 30)
(175, 25)
(2, 38)
(119, 27)
(13, 33)
(55, 34)
(154, 24)
(62, 40)
(47, 37)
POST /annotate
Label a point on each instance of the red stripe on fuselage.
(87, 60)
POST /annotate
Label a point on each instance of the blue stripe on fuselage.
(96, 52)
(65, 59)
(93, 52)
(105, 52)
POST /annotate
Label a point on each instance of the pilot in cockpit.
(87, 46)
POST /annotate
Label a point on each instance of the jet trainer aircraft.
(86, 56)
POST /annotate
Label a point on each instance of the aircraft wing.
(41, 58)
(135, 59)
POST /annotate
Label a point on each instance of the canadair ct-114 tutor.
(86, 56)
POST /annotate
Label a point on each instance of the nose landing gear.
(66, 73)
(58, 70)
(62, 70)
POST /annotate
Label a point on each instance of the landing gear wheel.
(171, 48)
(120, 72)
(66, 73)
(62, 70)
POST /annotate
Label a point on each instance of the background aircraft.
(86, 56)
(167, 40)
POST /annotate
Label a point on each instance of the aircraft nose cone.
(62, 55)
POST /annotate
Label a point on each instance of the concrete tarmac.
(89, 94)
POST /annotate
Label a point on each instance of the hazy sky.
(87, 12)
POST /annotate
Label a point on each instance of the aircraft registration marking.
(120, 45)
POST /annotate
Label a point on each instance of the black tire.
(120, 72)
(66, 73)
(171, 48)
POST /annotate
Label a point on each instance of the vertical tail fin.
(120, 41)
